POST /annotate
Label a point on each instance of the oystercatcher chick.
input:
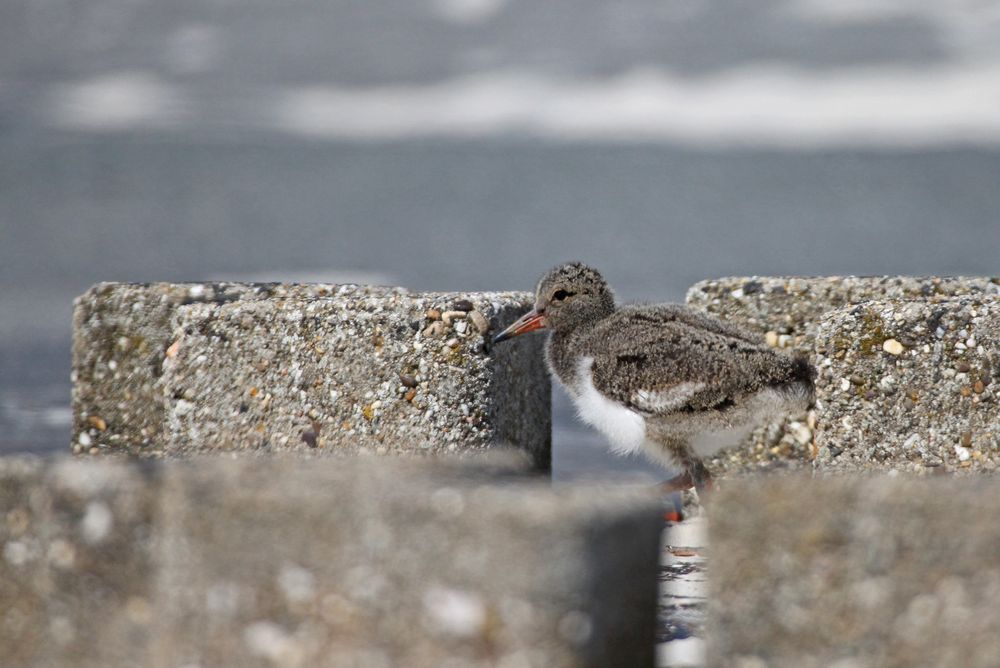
(664, 380)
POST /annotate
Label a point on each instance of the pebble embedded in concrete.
(893, 347)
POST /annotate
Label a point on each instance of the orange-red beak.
(529, 322)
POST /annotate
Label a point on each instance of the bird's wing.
(662, 313)
(660, 361)
(666, 399)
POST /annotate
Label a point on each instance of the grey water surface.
(77, 208)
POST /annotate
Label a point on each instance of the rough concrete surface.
(909, 385)
(170, 369)
(286, 561)
(792, 306)
(787, 311)
(857, 572)
(75, 563)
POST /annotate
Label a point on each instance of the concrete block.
(321, 561)
(909, 385)
(787, 312)
(860, 572)
(175, 369)
(792, 306)
(362, 562)
(75, 563)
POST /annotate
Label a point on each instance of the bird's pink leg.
(672, 488)
(678, 483)
(695, 475)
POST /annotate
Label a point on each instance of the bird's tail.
(804, 375)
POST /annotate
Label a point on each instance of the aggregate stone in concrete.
(75, 563)
(865, 572)
(909, 385)
(363, 562)
(787, 311)
(174, 369)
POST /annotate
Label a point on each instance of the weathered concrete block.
(790, 307)
(860, 572)
(909, 385)
(75, 567)
(356, 562)
(787, 311)
(179, 368)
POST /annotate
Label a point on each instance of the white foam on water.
(23, 410)
(119, 100)
(772, 105)
(56, 416)
(467, 11)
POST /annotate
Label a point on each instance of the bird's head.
(567, 297)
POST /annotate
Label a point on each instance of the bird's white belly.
(625, 428)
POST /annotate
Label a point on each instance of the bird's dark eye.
(560, 295)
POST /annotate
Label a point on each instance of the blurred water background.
(471, 144)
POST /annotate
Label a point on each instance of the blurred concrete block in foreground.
(859, 572)
(787, 311)
(168, 368)
(383, 564)
(76, 573)
(281, 561)
(909, 385)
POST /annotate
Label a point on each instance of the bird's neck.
(563, 351)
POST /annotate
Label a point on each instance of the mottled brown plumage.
(664, 379)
